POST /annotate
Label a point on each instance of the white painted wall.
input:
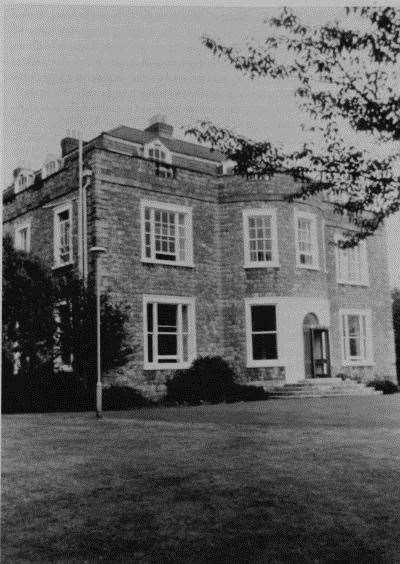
(290, 314)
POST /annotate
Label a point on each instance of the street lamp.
(97, 252)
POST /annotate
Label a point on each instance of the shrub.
(41, 390)
(123, 397)
(209, 380)
(385, 386)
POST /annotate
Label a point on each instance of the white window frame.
(344, 337)
(314, 240)
(29, 178)
(249, 303)
(177, 209)
(17, 242)
(46, 168)
(343, 255)
(156, 144)
(179, 301)
(56, 235)
(248, 263)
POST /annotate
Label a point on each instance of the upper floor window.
(50, 167)
(306, 240)
(356, 337)
(260, 238)
(166, 233)
(23, 180)
(157, 151)
(23, 237)
(262, 337)
(352, 264)
(169, 332)
(63, 235)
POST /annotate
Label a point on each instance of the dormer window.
(158, 152)
(50, 166)
(23, 181)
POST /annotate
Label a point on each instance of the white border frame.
(363, 262)
(314, 239)
(19, 227)
(59, 209)
(176, 300)
(369, 361)
(188, 226)
(251, 212)
(249, 302)
(156, 143)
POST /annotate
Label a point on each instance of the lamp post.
(97, 252)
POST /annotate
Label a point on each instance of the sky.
(91, 68)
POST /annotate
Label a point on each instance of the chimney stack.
(68, 144)
(158, 125)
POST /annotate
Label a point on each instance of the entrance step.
(322, 387)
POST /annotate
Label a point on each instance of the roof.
(174, 145)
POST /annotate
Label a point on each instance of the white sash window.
(166, 234)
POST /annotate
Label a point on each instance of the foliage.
(123, 397)
(30, 293)
(385, 386)
(396, 328)
(114, 346)
(346, 74)
(210, 379)
(28, 321)
(41, 390)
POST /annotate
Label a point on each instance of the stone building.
(209, 263)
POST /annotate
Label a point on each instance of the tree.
(31, 294)
(115, 349)
(396, 327)
(347, 75)
(28, 321)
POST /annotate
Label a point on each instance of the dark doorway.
(316, 348)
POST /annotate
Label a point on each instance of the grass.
(288, 481)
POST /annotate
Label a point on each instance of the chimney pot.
(68, 144)
(158, 125)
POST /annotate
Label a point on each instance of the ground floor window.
(169, 332)
(262, 340)
(356, 337)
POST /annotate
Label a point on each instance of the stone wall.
(218, 281)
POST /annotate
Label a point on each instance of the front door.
(320, 357)
(316, 348)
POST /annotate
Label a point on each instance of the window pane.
(150, 318)
(64, 215)
(263, 318)
(354, 325)
(264, 346)
(167, 345)
(184, 318)
(150, 347)
(167, 315)
(354, 346)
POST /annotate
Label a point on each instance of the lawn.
(311, 480)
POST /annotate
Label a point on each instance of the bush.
(41, 390)
(123, 397)
(209, 380)
(385, 386)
